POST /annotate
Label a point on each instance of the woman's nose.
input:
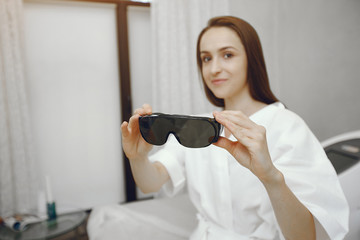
(215, 66)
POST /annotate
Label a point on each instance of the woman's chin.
(220, 95)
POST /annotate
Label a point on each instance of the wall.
(139, 24)
(73, 80)
(310, 47)
(313, 57)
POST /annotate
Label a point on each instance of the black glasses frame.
(190, 131)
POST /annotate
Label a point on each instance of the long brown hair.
(257, 77)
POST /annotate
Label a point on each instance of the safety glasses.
(190, 131)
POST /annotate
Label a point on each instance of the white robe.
(232, 202)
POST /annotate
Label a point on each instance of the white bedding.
(161, 219)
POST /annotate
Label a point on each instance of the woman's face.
(224, 63)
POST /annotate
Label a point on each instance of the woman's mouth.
(218, 81)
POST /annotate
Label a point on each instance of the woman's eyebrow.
(220, 50)
(204, 52)
(227, 48)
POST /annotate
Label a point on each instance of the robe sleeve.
(308, 172)
(171, 156)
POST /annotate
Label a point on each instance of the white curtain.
(18, 171)
(177, 86)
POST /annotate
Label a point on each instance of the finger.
(144, 110)
(124, 129)
(134, 123)
(233, 148)
(243, 135)
(231, 126)
(221, 119)
(139, 111)
(238, 118)
(240, 132)
(147, 108)
(224, 143)
(238, 124)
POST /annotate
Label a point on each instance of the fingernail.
(216, 113)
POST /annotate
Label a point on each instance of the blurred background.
(72, 71)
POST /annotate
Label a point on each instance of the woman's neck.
(244, 103)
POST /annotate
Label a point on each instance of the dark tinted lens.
(195, 133)
(154, 130)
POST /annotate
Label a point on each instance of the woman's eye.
(206, 59)
(228, 55)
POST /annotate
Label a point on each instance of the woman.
(267, 177)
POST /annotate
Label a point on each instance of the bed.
(161, 218)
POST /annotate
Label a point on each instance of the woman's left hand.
(250, 149)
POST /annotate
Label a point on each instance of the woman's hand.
(148, 176)
(250, 149)
(133, 143)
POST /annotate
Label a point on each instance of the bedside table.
(46, 230)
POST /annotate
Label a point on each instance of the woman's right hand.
(133, 143)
